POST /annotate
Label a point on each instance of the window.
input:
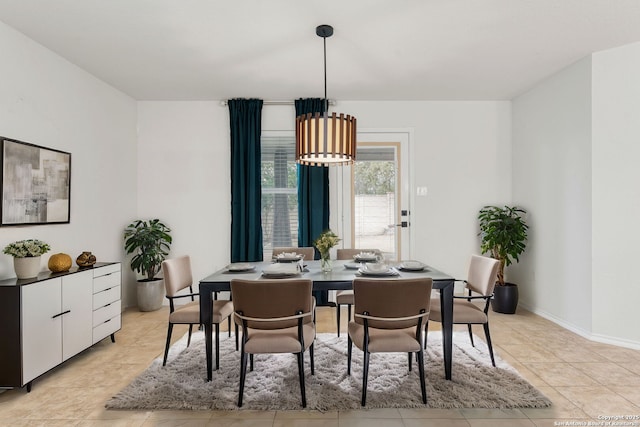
(279, 173)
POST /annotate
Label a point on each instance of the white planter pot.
(150, 294)
(26, 268)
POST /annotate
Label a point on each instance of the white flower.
(26, 248)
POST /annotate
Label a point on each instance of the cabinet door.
(77, 323)
(41, 327)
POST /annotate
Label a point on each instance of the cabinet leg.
(29, 386)
(113, 338)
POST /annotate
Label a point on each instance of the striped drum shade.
(325, 140)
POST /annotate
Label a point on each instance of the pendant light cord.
(326, 104)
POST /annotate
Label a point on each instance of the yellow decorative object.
(60, 262)
(86, 259)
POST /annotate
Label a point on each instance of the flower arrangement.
(26, 248)
(326, 241)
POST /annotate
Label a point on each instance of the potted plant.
(149, 242)
(26, 256)
(503, 232)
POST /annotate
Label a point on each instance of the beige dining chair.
(346, 297)
(481, 279)
(389, 317)
(177, 276)
(283, 325)
(307, 252)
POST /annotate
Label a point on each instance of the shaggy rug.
(274, 383)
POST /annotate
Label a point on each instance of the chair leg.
(236, 337)
(348, 313)
(349, 348)
(166, 348)
(217, 346)
(338, 317)
(410, 360)
(243, 375)
(313, 372)
(301, 374)
(365, 377)
(488, 336)
(189, 336)
(426, 333)
(229, 326)
(251, 362)
(471, 334)
(423, 386)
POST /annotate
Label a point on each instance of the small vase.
(325, 263)
(86, 259)
(27, 267)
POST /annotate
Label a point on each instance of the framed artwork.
(36, 184)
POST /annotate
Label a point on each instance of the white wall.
(552, 181)
(575, 151)
(47, 101)
(616, 193)
(184, 178)
(460, 151)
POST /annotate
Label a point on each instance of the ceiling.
(380, 50)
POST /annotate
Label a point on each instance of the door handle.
(60, 314)
(403, 224)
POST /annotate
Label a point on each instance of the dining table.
(339, 278)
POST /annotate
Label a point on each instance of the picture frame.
(36, 184)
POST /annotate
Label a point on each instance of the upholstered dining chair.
(389, 317)
(177, 276)
(283, 325)
(308, 252)
(481, 279)
(346, 297)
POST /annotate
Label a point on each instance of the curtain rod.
(224, 103)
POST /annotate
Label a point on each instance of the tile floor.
(585, 380)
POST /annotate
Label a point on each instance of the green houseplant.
(26, 256)
(149, 242)
(503, 233)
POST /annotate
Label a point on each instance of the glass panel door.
(376, 198)
(370, 200)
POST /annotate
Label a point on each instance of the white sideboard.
(46, 320)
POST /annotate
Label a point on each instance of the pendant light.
(324, 139)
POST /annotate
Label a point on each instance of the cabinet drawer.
(105, 297)
(105, 313)
(107, 269)
(105, 329)
(107, 281)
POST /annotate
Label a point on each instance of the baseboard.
(634, 345)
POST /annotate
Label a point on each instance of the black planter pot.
(505, 298)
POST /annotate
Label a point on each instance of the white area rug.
(274, 383)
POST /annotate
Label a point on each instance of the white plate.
(378, 273)
(288, 257)
(412, 266)
(352, 265)
(281, 270)
(375, 267)
(365, 257)
(238, 267)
